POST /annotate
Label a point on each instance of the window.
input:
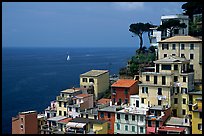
(157, 123)
(126, 91)
(149, 123)
(176, 31)
(114, 91)
(141, 118)
(118, 116)
(159, 91)
(118, 126)
(163, 80)
(165, 46)
(175, 100)
(191, 67)
(126, 117)
(91, 80)
(133, 128)
(142, 100)
(137, 103)
(87, 115)
(77, 109)
(191, 46)
(133, 117)
(84, 79)
(184, 101)
(182, 56)
(184, 112)
(159, 102)
(109, 126)
(82, 115)
(199, 126)
(184, 79)
(147, 77)
(191, 56)
(175, 78)
(102, 115)
(126, 127)
(173, 54)
(21, 119)
(143, 90)
(141, 130)
(70, 108)
(65, 104)
(200, 115)
(182, 46)
(186, 120)
(175, 67)
(60, 104)
(155, 79)
(173, 46)
(109, 115)
(95, 116)
(65, 113)
(184, 90)
(165, 55)
(60, 113)
(166, 67)
(21, 126)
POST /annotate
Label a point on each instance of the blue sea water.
(32, 77)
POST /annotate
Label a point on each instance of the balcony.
(64, 99)
(187, 71)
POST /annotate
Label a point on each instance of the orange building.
(108, 114)
(122, 89)
(25, 123)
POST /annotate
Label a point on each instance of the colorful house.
(156, 117)
(122, 89)
(108, 114)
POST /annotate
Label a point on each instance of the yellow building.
(168, 85)
(100, 127)
(188, 46)
(64, 99)
(195, 104)
(98, 79)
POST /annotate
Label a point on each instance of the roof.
(157, 107)
(66, 120)
(168, 128)
(178, 39)
(71, 90)
(195, 92)
(83, 95)
(110, 108)
(94, 73)
(57, 118)
(103, 101)
(171, 59)
(124, 83)
(175, 121)
(87, 120)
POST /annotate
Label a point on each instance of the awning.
(71, 124)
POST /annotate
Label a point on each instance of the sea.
(32, 77)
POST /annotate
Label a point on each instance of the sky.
(79, 24)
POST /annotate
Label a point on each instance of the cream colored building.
(64, 99)
(99, 79)
(168, 86)
(188, 46)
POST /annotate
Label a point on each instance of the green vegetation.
(143, 58)
(139, 28)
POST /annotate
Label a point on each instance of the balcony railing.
(60, 98)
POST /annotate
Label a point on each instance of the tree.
(148, 30)
(171, 24)
(139, 28)
(191, 8)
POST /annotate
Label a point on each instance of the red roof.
(66, 120)
(103, 101)
(83, 95)
(165, 128)
(124, 83)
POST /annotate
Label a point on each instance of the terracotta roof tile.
(124, 83)
(65, 120)
(103, 101)
(83, 95)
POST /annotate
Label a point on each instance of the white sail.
(68, 58)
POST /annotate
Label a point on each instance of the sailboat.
(68, 58)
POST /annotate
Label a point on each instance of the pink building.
(25, 123)
(155, 118)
